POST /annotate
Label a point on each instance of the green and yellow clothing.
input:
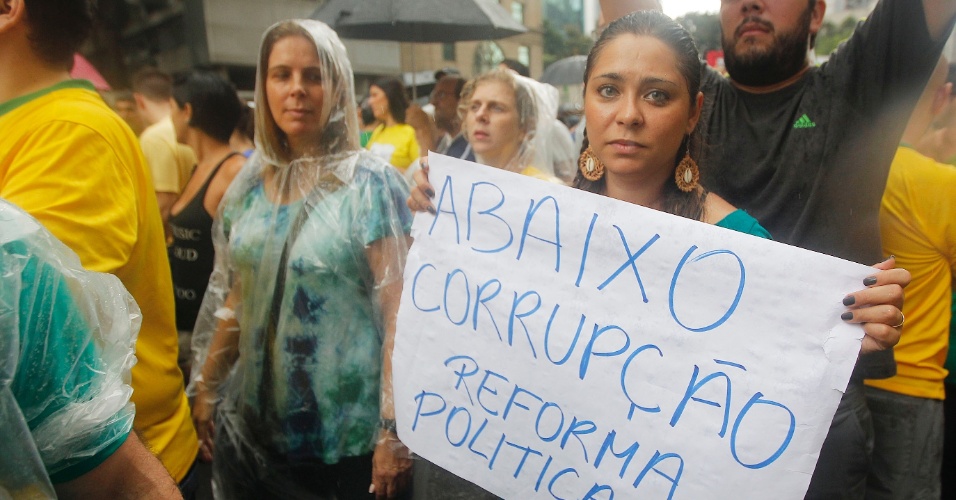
(74, 165)
(396, 144)
(918, 226)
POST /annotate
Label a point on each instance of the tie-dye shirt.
(327, 354)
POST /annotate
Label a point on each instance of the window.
(448, 51)
(517, 12)
(524, 55)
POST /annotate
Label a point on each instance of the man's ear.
(816, 17)
(140, 101)
(12, 13)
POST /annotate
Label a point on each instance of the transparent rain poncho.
(295, 329)
(546, 145)
(67, 338)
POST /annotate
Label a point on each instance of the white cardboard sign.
(553, 343)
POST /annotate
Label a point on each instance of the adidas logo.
(804, 122)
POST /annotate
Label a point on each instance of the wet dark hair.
(58, 28)
(247, 123)
(215, 106)
(656, 24)
(368, 116)
(395, 93)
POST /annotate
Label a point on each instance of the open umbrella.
(82, 69)
(422, 21)
(567, 71)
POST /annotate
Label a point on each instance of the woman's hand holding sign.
(878, 306)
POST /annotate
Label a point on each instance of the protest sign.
(554, 343)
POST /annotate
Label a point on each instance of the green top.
(364, 137)
(58, 365)
(741, 221)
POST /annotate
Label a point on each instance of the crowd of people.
(250, 259)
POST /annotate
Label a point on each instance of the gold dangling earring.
(590, 165)
(687, 175)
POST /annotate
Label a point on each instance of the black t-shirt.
(810, 161)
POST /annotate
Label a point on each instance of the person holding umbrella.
(298, 321)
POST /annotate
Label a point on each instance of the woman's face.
(379, 103)
(294, 91)
(492, 123)
(638, 108)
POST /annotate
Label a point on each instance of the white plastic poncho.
(310, 250)
(546, 145)
(67, 338)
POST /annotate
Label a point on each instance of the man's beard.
(783, 59)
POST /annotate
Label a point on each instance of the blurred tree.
(562, 30)
(831, 35)
(563, 42)
(563, 12)
(705, 28)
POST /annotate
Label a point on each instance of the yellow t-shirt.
(170, 162)
(537, 174)
(918, 226)
(74, 165)
(396, 144)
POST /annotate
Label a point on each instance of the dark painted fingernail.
(869, 281)
(847, 316)
(432, 211)
(849, 300)
(429, 193)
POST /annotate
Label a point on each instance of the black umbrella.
(567, 71)
(423, 21)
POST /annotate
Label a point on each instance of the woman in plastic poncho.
(297, 325)
(505, 118)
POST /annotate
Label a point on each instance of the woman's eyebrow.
(656, 80)
(647, 80)
(611, 76)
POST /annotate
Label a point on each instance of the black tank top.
(191, 255)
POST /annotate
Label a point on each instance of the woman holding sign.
(642, 102)
(642, 116)
(297, 325)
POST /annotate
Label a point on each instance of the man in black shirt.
(806, 150)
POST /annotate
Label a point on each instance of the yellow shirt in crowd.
(170, 162)
(70, 162)
(918, 226)
(396, 144)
